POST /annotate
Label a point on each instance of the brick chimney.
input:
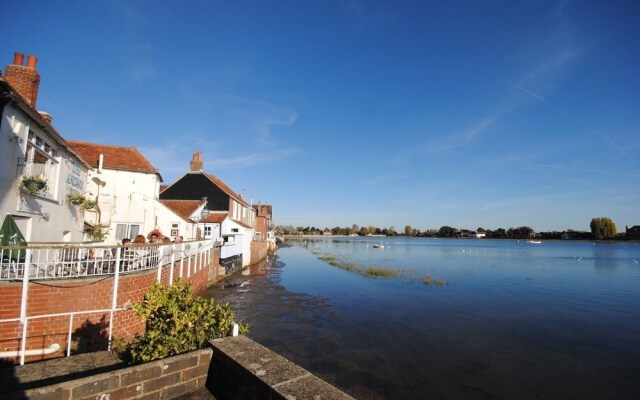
(25, 79)
(196, 164)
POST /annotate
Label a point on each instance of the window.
(207, 231)
(124, 231)
(41, 161)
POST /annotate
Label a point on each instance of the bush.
(177, 322)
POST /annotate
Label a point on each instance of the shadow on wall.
(90, 337)
(9, 382)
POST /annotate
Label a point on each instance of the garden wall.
(162, 379)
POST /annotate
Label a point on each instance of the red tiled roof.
(184, 208)
(114, 157)
(226, 189)
(215, 218)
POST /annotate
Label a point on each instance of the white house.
(31, 147)
(125, 186)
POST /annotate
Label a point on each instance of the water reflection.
(516, 321)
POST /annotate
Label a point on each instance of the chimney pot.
(18, 58)
(196, 164)
(32, 61)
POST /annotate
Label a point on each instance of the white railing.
(75, 261)
(47, 261)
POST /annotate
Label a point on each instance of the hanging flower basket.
(32, 184)
(88, 204)
(76, 199)
(97, 232)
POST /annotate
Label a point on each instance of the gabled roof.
(215, 217)
(114, 157)
(184, 208)
(218, 182)
(242, 224)
(13, 95)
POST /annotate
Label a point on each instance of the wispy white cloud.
(464, 138)
(143, 65)
(557, 167)
(377, 180)
(253, 159)
(560, 7)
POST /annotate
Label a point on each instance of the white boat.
(378, 246)
(534, 241)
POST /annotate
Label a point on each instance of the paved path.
(58, 370)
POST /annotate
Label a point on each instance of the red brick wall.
(75, 295)
(258, 252)
(25, 80)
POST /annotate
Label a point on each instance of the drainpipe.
(36, 352)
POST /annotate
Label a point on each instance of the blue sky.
(388, 113)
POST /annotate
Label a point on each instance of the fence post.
(114, 297)
(23, 304)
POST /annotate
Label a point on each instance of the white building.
(31, 147)
(125, 186)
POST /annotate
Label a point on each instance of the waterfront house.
(238, 227)
(126, 187)
(632, 233)
(477, 235)
(38, 167)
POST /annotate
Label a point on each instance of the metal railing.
(48, 262)
(74, 261)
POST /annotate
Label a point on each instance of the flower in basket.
(32, 184)
(76, 199)
(88, 204)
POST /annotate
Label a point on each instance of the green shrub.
(177, 322)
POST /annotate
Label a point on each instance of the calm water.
(557, 320)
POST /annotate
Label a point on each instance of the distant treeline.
(601, 228)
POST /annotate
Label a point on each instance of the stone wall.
(245, 370)
(162, 379)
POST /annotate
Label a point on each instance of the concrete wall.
(242, 369)
(162, 379)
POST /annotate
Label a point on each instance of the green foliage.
(603, 228)
(32, 184)
(447, 231)
(97, 232)
(178, 322)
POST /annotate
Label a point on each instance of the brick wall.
(163, 379)
(90, 331)
(258, 252)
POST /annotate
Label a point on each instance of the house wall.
(47, 216)
(125, 197)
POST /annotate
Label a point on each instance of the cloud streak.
(573, 119)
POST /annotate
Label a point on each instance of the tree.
(603, 228)
(447, 231)
(408, 230)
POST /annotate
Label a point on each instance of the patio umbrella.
(10, 235)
